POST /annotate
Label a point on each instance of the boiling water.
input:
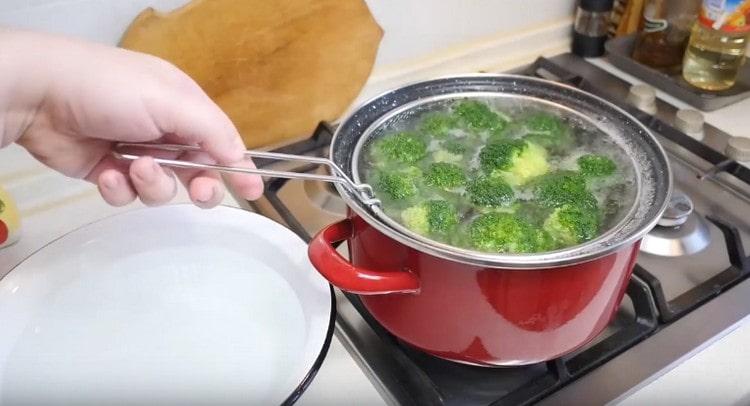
(615, 194)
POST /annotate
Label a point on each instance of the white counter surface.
(718, 375)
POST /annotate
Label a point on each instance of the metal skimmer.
(362, 190)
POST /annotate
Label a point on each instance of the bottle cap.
(597, 5)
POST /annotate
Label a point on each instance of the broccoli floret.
(544, 241)
(450, 151)
(453, 146)
(445, 176)
(595, 166)
(532, 212)
(500, 155)
(505, 232)
(442, 216)
(532, 162)
(543, 123)
(399, 184)
(570, 225)
(415, 219)
(442, 155)
(434, 216)
(438, 125)
(562, 188)
(477, 116)
(401, 147)
(549, 132)
(517, 161)
(490, 192)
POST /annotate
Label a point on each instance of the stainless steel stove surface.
(688, 287)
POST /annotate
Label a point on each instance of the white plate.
(171, 305)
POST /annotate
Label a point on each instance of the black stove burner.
(421, 379)
(432, 381)
(739, 270)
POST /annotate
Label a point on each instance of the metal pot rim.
(604, 244)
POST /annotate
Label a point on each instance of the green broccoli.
(549, 132)
(453, 146)
(570, 224)
(489, 191)
(438, 125)
(401, 147)
(544, 241)
(543, 123)
(595, 166)
(500, 155)
(399, 184)
(477, 117)
(517, 161)
(508, 233)
(434, 216)
(445, 176)
(415, 219)
(562, 188)
(532, 212)
(450, 151)
(442, 155)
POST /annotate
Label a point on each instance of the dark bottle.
(665, 32)
(590, 27)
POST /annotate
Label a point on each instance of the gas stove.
(689, 285)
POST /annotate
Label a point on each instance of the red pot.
(474, 314)
(483, 308)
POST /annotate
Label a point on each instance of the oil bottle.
(717, 46)
(664, 33)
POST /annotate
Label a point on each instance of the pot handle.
(345, 276)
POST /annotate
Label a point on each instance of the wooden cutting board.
(277, 68)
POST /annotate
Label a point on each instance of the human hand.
(68, 102)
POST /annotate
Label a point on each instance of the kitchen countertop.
(717, 375)
(52, 205)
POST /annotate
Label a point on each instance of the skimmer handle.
(363, 191)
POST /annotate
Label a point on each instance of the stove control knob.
(677, 212)
(690, 122)
(738, 148)
(643, 97)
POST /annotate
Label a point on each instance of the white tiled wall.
(417, 27)
(414, 28)
(97, 20)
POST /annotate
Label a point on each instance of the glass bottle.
(590, 27)
(717, 46)
(665, 31)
